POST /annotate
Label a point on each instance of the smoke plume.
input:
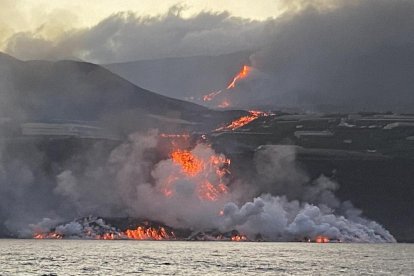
(349, 58)
(317, 55)
(198, 194)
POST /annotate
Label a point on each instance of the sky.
(23, 15)
(92, 11)
(324, 52)
(43, 29)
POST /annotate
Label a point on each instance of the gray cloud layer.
(126, 37)
(347, 56)
(357, 56)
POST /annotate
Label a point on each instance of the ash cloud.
(351, 58)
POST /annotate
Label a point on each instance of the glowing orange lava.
(321, 239)
(238, 238)
(208, 191)
(244, 73)
(210, 96)
(142, 233)
(244, 120)
(241, 75)
(206, 172)
(51, 235)
(190, 164)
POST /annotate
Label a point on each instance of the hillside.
(80, 91)
(183, 78)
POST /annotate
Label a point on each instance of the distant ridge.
(183, 77)
(80, 91)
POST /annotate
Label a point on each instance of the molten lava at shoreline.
(189, 188)
(140, 233)
(322, 239)
(200, 171)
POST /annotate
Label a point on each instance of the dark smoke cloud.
(319, 55)
(356, 57)
(126, 37)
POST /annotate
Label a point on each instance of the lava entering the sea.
(238, 238)
(140, 233)
(322, 239)
(190, 186)
(201, 171)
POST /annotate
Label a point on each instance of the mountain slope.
(184, 77)
(72, 91)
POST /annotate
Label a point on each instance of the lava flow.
(244, 73)
(140, 233)
(244, 120)
(238, 238)
(190, 164)
(321, 239)
(241, 75)
(211, 96)
(51, 235)
(200, 170)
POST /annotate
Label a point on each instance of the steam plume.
(131, 183)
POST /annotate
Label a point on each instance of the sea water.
(126, 257)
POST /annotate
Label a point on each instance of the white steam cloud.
(136, 183)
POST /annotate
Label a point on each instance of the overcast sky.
(326, 52)
(23, 15)
(45, 24)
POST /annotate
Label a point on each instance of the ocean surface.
(126, 257)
